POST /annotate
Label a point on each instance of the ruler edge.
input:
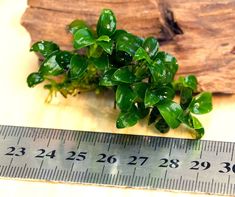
(110, 133)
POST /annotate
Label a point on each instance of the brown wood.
(200, 33)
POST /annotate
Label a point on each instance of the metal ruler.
(117, 160)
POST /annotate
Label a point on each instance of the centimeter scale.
(117, 160)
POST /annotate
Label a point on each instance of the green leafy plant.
(141, 75)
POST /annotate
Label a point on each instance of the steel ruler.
(117, 160)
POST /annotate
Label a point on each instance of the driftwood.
(200, 33)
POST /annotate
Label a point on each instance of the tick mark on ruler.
(232, 152)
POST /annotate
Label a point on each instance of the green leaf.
(154, 114)
(106, 79)
(117, 33)
(141, 71)
(106, 46)
(104, 38)
(151, 98)
(78, 67)
(127, 119)
(76, 25)
(45, 48)
(192, 122)
(83, 38)
(107, 23)
(50, 66)
(128, 43)
(160, 73)
(63, 58)
(151, 46)
(169, 61)
(165, 92)
(170, 111)
(101, 63)
(125, 97)
(141, 110)
(139, 89)
(123, 75)
(190, 81)
(186, 95)
(201, 104)
(198, 127)
(94, 51)
(121, 58)
(178, 84)
(34, 79)
(162, 126)
(141, 54)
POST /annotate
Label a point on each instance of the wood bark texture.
(199, 33)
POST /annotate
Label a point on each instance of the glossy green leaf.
(154, 114)
(170, 111)
(141, 71)
(169, 61)
(107, 23)
(162, 126)
(78, 67)
(125, 97)
(45, 48)
(141, 54)
(101, 63)
(201, 104)
(178, 84)
(142, 111)
(121, 58)
(63, 58)
(190, 81)
(83, 38)
(198, 127)
(140, 88)
(193, 123)
(165, 92)
(104, 38)
(151, 46)
(127, 119)
(76, 25)
(151, 98)
(117, 33)
(94, 51)
(128, 43)
(160, 73)
(34, 79)
(186, 95)
(124, 75)
(106, 46)
(50, 66)
(106, 79)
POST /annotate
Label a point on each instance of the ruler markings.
(232, 152)
(12, 132)
(103, 141)
(64, 138)
(12, 171)
(6, 131)
(49, 138)
(109, 144)
(228, 184)
(140, 146)
(70, 136)
(220, 147)
(78, 140)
